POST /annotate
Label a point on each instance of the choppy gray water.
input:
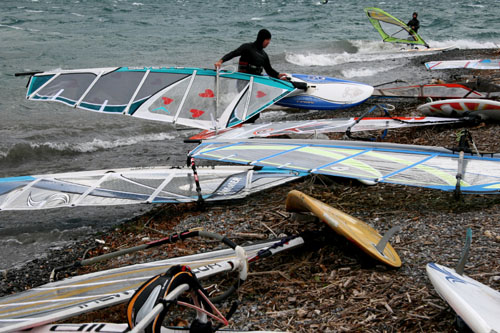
(334, 39)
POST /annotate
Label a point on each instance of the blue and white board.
(326, 93)
(477, 304)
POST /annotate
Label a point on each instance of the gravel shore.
(328, 285)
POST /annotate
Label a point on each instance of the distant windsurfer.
(253, 58)
(414, 24)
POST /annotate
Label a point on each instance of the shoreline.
(333, 287)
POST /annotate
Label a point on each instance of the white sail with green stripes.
(392, 29)
(424, 166)
(192, 97)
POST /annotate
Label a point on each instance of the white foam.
(376, 51)
(271, 115)
(33, 11)
(467, 44)
(137, 4)
(96, 144)
(10, 26)
(364, 71)
(10, 241)
(76, 14)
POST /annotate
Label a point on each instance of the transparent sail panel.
(156, 82)
(169, 102)
(112, 92)
(261, 95)
(67, 88)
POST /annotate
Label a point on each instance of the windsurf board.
(355, 230)
(477, 304)
(326, 93)
(484, 108)
(429, 49)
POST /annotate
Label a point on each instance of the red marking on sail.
(261, 94)
(196, 113)
(207, 94)
(454, 106)
(167, 100)
(471, 106)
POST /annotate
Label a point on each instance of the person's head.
(415, 14)
(263, 38)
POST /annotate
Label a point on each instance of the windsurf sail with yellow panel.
(392, 29)
(424, 166)
(192, 97)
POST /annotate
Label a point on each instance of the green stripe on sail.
(446, 177)
(351, 162)
(377, 15)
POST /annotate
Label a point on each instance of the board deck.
(484, 108)
(326, 93)
(477, 304)
(430, 49)
(348, 226)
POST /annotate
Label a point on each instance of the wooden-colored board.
(348, 226)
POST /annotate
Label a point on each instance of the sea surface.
(309, 37)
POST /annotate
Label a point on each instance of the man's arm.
(231, 55)
(269, 69)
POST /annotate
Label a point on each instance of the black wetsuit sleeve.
(414, 24)
(269, 70)
(236, 53)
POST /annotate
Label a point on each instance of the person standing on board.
(414, 24)
(253, 58)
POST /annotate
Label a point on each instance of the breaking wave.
(22, 152)
(365, 51)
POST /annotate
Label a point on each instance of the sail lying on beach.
(442, 90)
(486, 64)
(392, 29)
(424, 166)
(89, 292)
(312, 127)
(192, 97)
(134, 186)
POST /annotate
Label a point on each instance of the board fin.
(465, 253)
(385, 239)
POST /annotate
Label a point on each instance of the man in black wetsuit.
(414, 24)
(253, 58)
